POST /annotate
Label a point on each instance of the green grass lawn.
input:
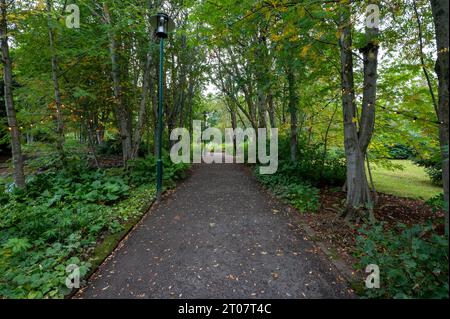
(411, 182)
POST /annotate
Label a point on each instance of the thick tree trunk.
(56, 89)
(19, 177)
(359, 203)
(440, 10)
(122, 114)
(370, 58)
(293, 104)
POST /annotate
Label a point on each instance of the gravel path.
(219, 235)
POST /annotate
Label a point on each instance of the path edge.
(122, 236)
(344, 270)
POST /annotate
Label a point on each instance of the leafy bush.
(4, 197)
(312, 164)
(44, 135)
(437, 202)
(413, 263)
(144, 170)
(401, 151)
(435, 174)
(433, 166)
(111, 146)
(302, 196)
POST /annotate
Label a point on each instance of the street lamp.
(162, 25)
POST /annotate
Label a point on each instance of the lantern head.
(162, 25)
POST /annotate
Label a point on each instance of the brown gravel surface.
(218, 235)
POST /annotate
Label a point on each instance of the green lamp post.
(162, 25)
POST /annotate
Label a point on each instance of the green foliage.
(144, 170)
(111, 146)
(295, 181)
(433, 167)
(437, 202)
(413, 262)
(401, 151)
(62, 214)
(312, 164)
(4, 197)
(301, 195)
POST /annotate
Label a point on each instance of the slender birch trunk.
(293, 104)
(19, 176)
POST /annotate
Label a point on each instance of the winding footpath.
(218, 235)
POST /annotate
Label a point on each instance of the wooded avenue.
(207, 143)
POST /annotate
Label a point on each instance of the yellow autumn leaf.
(319, 35)
(304, 51)
(301, 12)
(40, 5)
(275, 37)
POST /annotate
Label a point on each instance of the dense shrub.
(301, 195)
(44, 135)
(401, 151)
(113, 146)
(144, 170)
(312, 164)
(437, 202)
(413, 263)
(432, 165)
(297, 182)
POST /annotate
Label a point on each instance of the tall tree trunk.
(273, 122)
(19, 176)
(325, 141)
(440, 10)
(262, 109)
(56, 89)
(359, 202)
(190, 106)
(283, 104)
(155, 117)
(370, 58)
(261, 71)
(232, 109)
(143, 106)
(122, 114)
(293, 104)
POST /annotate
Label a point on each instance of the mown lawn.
(411, 182)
